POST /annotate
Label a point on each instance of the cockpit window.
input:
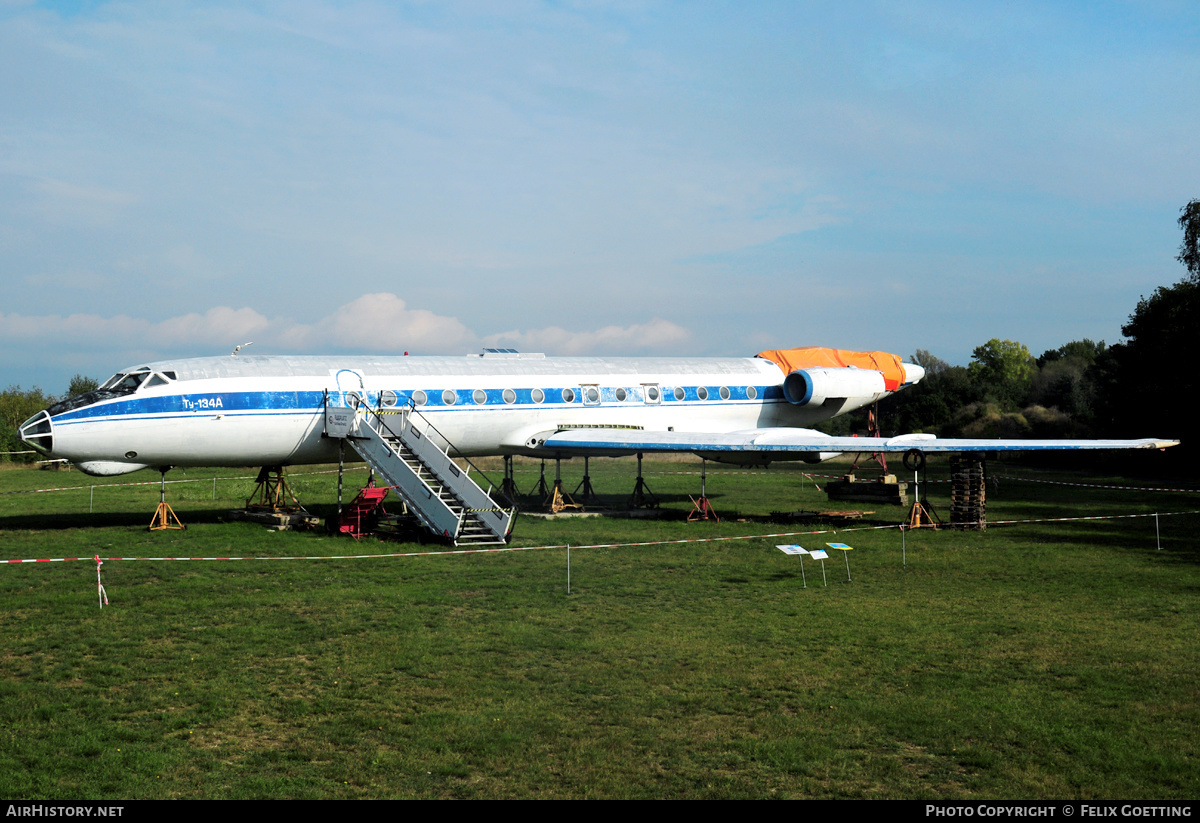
(131, 382)
(156, 380)
(126, 383)
(116, 386)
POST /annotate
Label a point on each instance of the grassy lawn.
(1045, 660)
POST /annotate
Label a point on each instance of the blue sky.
(584, 177)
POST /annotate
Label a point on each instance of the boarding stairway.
(440, 493)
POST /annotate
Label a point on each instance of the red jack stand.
(701, 507)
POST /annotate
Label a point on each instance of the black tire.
(914, 460)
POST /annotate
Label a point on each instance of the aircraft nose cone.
(912, 373)
(36, 433)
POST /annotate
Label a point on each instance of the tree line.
(17, 405)
(1140, 387)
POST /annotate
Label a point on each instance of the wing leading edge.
(778, 444)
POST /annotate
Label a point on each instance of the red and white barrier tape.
(728, 538)
(1096, 485)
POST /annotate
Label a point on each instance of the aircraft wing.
(780, 443)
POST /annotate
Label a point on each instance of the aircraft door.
(348, 390)
(343, 395)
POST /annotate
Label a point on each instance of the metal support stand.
(921, 515)
(341, 474)
(164, 515)
(541, 489)
(271, 492)
(557, 501)
(508, 487)
(642, 497)
(872, 431)
(588, 494)
(701, 507)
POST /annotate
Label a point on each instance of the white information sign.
(339, 422)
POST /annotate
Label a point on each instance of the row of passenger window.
(589, 395)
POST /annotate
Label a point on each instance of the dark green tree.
(17, 406)
(1066, 382)
(1147, 384)
(930, 405)
(1189, 249)
(1157, 381)
(1003, 372)
(81, 385)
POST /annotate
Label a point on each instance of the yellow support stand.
(557, 501)
(164, 515)
(920, 517)
(164, 518)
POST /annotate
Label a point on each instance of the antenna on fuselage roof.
(509, 353)
(237, 349)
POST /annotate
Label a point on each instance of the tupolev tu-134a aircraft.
(274, 410)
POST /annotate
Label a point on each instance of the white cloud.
(379, 323)
(658, 335)
(220, 326)
(373, 323)
(60, 201)
(52, 330)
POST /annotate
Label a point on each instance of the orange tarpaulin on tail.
(811, 357)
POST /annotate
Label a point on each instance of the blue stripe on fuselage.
(314, 401)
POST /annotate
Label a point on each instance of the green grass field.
(1045, 660)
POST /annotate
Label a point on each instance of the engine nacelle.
(812, 387)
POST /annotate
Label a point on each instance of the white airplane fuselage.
(269, 411)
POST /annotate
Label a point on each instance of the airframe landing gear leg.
(164, 515)
(701, 507)
(589, 494)
(642, 497)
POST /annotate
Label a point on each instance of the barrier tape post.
(100, 592)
